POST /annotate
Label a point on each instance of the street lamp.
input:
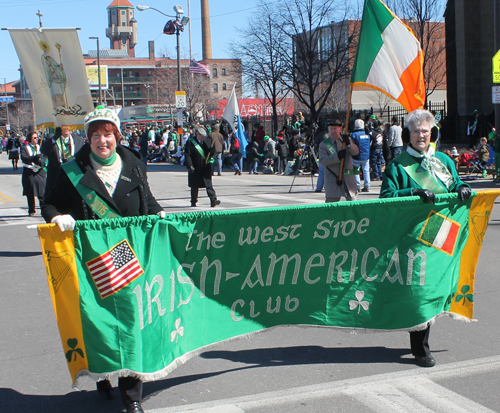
(173, 27)
(98, 67)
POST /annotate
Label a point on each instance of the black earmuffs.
(406, 134)
(434, 133)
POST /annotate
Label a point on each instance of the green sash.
(422, 177)
(333, 151)
(200, 150)
(63, 149)
(93, 200)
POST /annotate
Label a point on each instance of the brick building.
(152, 81)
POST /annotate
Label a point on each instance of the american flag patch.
(114, 269)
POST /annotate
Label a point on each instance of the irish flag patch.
(440, 232)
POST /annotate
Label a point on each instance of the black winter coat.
(202, 169)
(282, 148)
(33, 182)
(132, 196)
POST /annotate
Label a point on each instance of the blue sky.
(91, 17)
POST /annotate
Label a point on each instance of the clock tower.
(122, 27)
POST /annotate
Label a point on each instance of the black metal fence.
(438, 108)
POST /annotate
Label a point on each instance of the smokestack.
(205, 30)
(151, 47)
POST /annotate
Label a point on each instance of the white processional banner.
(232, 111)
(53, 65)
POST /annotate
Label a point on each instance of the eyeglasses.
(421, 132)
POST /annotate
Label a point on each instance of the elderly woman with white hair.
(422, 171)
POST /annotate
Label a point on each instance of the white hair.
(414, 119)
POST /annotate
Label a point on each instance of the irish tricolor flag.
(389, 57)
(440, 232)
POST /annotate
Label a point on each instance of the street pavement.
(283, 369)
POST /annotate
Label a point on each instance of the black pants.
(130, 388)
(419, 341)
(31, 203)
(210, 192)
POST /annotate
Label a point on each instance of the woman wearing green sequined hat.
(104, 181)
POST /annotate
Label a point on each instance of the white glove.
(161, 214)
(64, 222)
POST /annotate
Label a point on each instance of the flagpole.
(346, 130)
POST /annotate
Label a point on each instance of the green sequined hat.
(101, 113)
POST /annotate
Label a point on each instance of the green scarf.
(104, 162)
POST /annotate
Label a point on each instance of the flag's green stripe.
(376, 17)
(432, 228)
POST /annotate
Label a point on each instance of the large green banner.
(144, 294)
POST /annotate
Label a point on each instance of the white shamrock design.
(358, 302)
(178, 330)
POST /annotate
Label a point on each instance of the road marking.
(12, 212)
(4, 198)
(414, 394)
(18, 216)
(403, 391)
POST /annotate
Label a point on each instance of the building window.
(223, 71)
(123, 23)
(125, 88)
(214, 72)
(223, 86)
(123, 11)
(118, 75)
(130, 73)
(136, 74)
(150, 73)
(216, 87)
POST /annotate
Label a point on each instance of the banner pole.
(346, 130)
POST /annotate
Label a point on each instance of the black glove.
(345, 139)
(36, 160)
(464, 192)
(426, 194)
(341, 154)
(191, 169)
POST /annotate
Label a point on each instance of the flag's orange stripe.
(449, 244)
(412, 79)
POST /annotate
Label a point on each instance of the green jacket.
(397, 182)
(495, 141)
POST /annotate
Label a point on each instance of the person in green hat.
(105, 180)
